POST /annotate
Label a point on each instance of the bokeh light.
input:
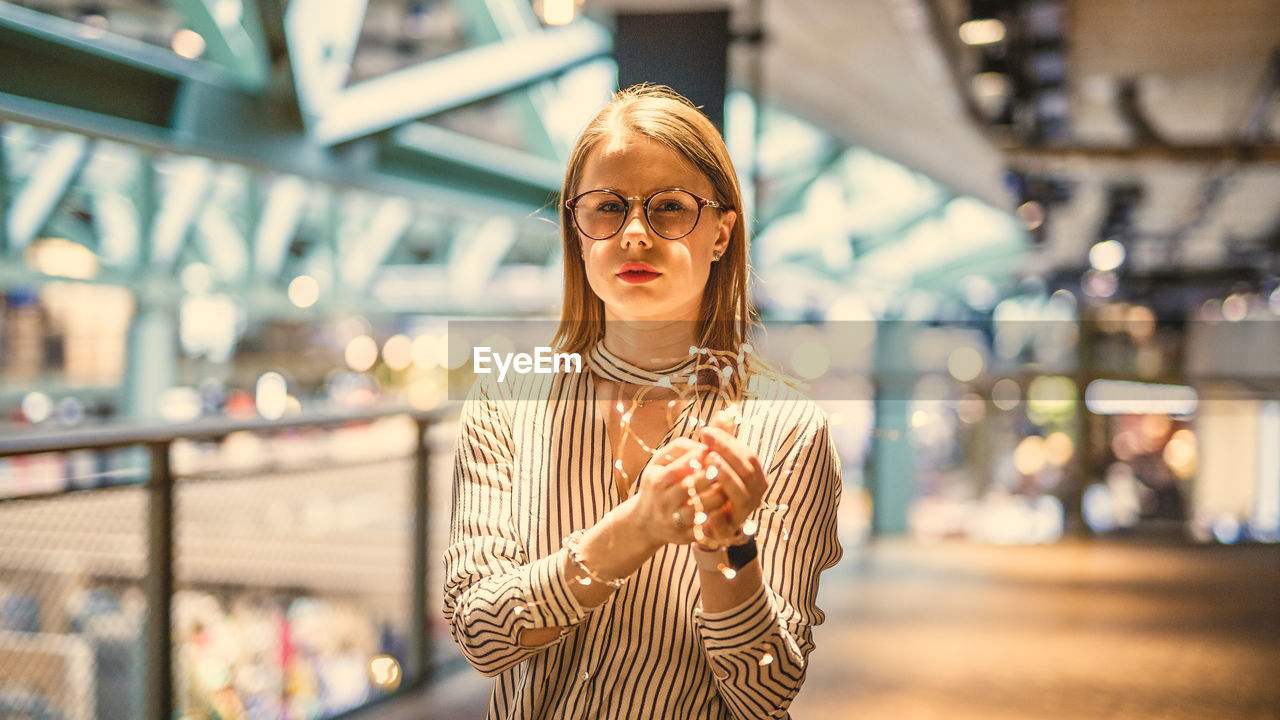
(965, 363)
(1029, 457)
(37, 407)
(810, 359)
(1107, 255)
(384, 672)
(1180, 454)
(361, 353)
(1235, 308)
(270, 395)
(983, 31)
(188, 44)
(1006, 394)
(1059, 448)
(424, 351)
(397, 352)
(304, 291)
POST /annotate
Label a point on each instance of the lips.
(637, 273)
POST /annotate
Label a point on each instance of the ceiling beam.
(322, 36)
(277, 224)
(390, 221)
(190, 181)
(535, 174)
(232, 32)
(34, 204)
(474, 258)
(456, 79)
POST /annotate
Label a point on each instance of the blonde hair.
(661, 114)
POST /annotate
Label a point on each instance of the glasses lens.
(599, 214)
(673, 213)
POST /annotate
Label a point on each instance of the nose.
(635, 229)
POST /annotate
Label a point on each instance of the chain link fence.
(295, 559)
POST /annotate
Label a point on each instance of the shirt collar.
(611, 367)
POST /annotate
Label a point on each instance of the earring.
(715, 256)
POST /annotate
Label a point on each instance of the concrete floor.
(1126, 628)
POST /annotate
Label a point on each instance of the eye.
(671, 205)
(609, 207)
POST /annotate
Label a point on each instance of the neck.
(650, 345)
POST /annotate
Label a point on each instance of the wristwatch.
(727, 560)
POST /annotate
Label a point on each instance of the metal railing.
(159, 581)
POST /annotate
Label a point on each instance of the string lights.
(720, 373)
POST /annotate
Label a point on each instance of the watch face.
(741, 555)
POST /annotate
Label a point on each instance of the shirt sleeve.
(759, 649)
(493, 590)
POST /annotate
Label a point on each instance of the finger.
(736, 454)
(685, 514)
(683, 466)
(717, 530)
(677, 495)
(727, 420)
(734, 489)
(712, 500)
(668, 453)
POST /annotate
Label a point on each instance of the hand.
(739, 483)
(662, 491)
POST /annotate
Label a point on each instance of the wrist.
(630, 529)
(739, 538)
(729, 559)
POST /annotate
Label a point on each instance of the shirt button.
(585, 676)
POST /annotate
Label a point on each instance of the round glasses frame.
(702, 202)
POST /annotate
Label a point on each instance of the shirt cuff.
(739, 627)
(551, 601)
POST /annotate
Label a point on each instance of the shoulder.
(774, 399)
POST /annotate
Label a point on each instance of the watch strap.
(733, 557)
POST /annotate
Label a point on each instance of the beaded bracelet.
(575, 554)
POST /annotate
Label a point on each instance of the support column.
(892, 476)
(151, 359)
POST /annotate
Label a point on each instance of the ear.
(724, 231)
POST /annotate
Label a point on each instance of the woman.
(603, 562)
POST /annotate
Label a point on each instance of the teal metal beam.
(322, 36)
(385, 229)
(35, 203)
(119, 228)
(892, 461)
(789, 201)
(232, 32)
(498, 21)
(282, 211)
(457, 79)
(64, 39)
(47, 59)
(228, 132)
(465, 155)
(474, 258)
(222, 242)
(189, 188)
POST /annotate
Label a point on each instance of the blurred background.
(1026, 253)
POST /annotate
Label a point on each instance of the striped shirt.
(534, 463)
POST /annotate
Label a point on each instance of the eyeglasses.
(672, 213)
